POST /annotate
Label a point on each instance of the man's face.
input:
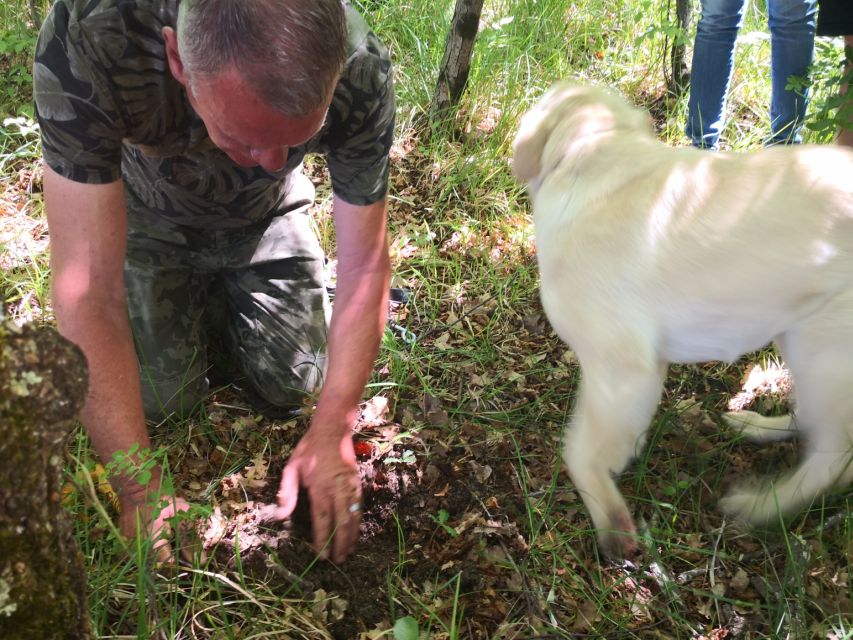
(241, 125)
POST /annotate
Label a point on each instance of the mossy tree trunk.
(43, 380)
(453, 73)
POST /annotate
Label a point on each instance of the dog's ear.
(535, 130)
(567, 113)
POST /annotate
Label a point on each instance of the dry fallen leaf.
(215, 528)
(739, 581)
(586, 617)
(326, 606)
(442, 342)
(481, 380)
(515, 581)
(482, 472)
(255, 474)
(433, 411)
(769, 382)
(569, 357)
(375, 411)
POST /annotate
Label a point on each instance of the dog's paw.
(760, 429)
(738, 505)
(618, 545)
(619, 541)
(750, 507)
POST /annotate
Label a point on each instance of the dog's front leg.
(614, 408)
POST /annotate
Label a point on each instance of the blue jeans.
(792, 30)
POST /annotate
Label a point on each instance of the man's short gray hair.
(290, 51)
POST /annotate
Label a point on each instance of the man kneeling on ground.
(173, 135)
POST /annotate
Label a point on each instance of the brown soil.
(457, 508)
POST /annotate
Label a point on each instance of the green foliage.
(441, 521)
(17, 43)
(15, 47)
(25, 272)
(665, 25)
(829, 109)
(19, 141)
(406, 628)
(137, 464)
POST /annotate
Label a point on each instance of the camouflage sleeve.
(362, 113)
(81, 129)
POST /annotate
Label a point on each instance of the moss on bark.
(43, 380)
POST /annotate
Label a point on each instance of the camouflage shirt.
(109, 108)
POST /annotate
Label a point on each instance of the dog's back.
(703, 237)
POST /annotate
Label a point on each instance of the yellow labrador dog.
(650, 254)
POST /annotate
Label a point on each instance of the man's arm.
(88, 236)
(360, 311)
(324, 460)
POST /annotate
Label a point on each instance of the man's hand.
(145, 515)
(325, 466)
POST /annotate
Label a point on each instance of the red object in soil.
(363, 449)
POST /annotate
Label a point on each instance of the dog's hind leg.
(819, 353)
(819, 471)
(616, 401)
(761, 429)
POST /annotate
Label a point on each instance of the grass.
(24, 261)
(486, 384)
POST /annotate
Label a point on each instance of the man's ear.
(172, 55)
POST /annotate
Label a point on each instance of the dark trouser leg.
(279, 309)
(166, 297)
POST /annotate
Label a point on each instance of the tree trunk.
(453, 73)
(43, 380)
(680, 76)
(35, 14)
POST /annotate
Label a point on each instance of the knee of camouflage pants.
(279, 314)
(264, 281)
(179, 397)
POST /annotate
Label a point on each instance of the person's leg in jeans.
(711, 72)
(792, 32)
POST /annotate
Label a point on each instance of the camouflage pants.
(258, 289)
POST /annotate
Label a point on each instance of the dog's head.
(566, 114)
